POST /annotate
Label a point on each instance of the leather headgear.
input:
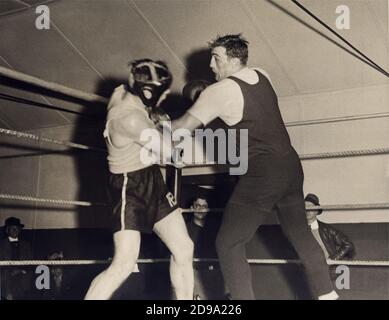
(148, 80)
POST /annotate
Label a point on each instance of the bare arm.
(125, 129)
(215, 101)
(134, 127)
(187, 121)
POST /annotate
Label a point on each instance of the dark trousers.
(276, 187)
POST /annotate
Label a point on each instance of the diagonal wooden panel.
(42, 53)
(315, 63)
(114, 34)
(19, 165)
(24, 116)
(99, 37)
(187, 27)
(37, 2)
(380, 13)
(45, 54)
(8, 6)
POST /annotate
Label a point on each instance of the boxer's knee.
(122, 269)
(183, 251)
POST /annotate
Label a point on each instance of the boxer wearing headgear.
(150, 80)
(140, 199)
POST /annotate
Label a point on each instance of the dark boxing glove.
(160, 119)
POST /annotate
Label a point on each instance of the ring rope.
(365, 59)
(311, 156)
(3, 96)
(366, 206)
(338, 154)
(7, 263)
(323, 155)
(52, 86)
(337, 119)
(16, 75)
(51, 201)
(31, 136)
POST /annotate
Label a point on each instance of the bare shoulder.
(264, 72)
(134, 120)
(221, 87)
(118, 92)
(129, 124)
(119, 89)
(117, 96)
(222, 84)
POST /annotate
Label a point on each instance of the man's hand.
(177, 157)
(187, 121)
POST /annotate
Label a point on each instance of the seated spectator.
(56, 275)
(15, 281)
(202, 229)
(335, 244)
(198, 222)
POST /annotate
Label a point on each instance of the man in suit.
(15, 281)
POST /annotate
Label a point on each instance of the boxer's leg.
(172, 231)
(127, 244)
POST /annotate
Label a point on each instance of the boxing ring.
(178, 171)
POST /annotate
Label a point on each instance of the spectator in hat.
(15, 281)
(335, 244)
(13, 228)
